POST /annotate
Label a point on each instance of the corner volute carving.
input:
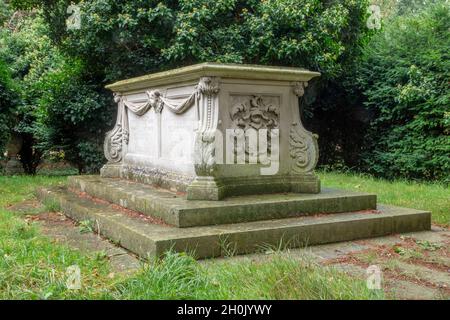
(115, 138)
(208, 106)
(303, 149)
(303, 145)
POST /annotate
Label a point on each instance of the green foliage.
(136, 37)
(61, 109)
(71, 116)
(32, 266)
(413, 6)
(176, 276)
(404, 79)
(427, 245)
(86, 226)
(319, 35)
(8, 100)
(120, 39)
(5, 12)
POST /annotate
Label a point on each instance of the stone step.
(175, 210)
(140, 236)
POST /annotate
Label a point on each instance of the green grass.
(279, 277)
(34, 267)
(20, 188)
(31, 265)
(434, 197)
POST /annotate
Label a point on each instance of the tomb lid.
(223, 70)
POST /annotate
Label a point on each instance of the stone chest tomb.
(214, 157)
(180, 130)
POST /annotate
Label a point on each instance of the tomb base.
(149, 221)
(214, 188)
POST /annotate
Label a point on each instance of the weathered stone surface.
(64, 230)
(174, 209)
(406, 290)
(418, 272)
(336, 250)
(13, 165)
(214, 131)
(211, 241)
(229, 133)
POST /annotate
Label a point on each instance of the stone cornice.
(193, 73)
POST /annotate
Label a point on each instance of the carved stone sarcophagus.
(219, 132)
(213, 131)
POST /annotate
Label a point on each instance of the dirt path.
(413, 266)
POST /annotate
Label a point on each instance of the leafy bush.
(404, 78)
(126, 38)
(121, 39)
(401, 78)
(8, 100)
(30, 56)
(61, 109)
(71, 116)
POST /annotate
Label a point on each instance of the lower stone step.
(174, 209)
(148, 239)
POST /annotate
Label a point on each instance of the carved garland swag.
(119, 134)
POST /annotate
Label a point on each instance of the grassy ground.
(426, 196)
(34, 267)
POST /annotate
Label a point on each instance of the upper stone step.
(175, 210)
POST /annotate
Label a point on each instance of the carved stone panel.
(177, 135)
(254, 113)
(143, 134)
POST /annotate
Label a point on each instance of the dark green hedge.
(405, 80)
(8, 102)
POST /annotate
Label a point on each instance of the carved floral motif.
(208, 85)
(299, 88)
(255, 112)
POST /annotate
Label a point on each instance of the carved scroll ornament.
(303, 146)
(303, 149)
(204, 147)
